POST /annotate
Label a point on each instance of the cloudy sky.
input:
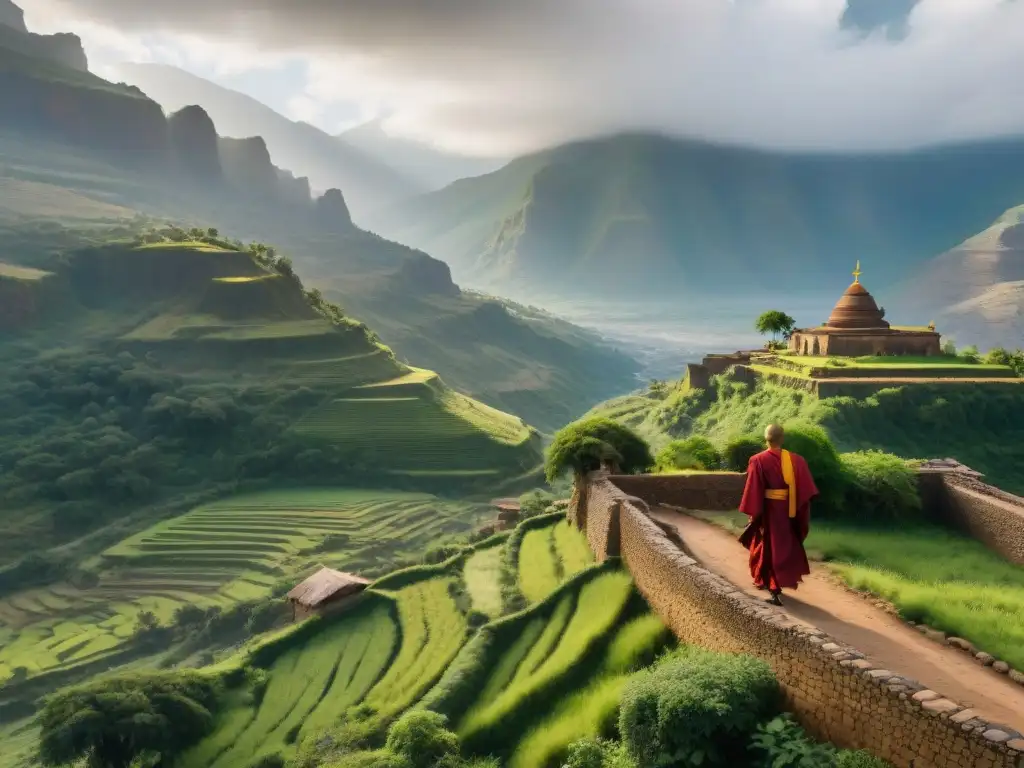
(507, 76)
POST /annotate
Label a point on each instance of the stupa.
(857, 327)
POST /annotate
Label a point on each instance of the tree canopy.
(110, 723)
(776, 322)
(582, 446)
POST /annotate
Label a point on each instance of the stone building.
(326, 591)
(857, 327)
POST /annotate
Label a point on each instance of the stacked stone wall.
(835, 692)
(711, 491)
(988, 514)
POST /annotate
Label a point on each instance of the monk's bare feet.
(775, 599)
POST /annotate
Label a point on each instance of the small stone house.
(508, 513)
(326, 591)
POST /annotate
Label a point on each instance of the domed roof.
(856, 309)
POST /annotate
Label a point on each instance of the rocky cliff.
(194, 145)
(331, 212)
(12, 16)
(293, 190)
(63, 48)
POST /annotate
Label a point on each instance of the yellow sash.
(790, 477)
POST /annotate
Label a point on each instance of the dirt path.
(883, 638)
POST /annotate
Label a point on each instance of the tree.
(111, 723)
(584, 446)
(775, 322)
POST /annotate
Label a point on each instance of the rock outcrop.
(423, 274)
(331, 212)
(293, 190)
(12, 16)
(63, 48)
(247, 166)
(195, 145)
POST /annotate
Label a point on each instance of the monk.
(777, 499)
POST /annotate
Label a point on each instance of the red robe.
(775, 540)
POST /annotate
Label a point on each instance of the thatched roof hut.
(326, 587)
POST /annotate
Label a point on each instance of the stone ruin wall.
(836, 693)
(988, 514)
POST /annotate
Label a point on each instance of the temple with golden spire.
(857, 327)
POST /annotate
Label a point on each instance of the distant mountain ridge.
(643, 215)
(369, 182)
(975, 292)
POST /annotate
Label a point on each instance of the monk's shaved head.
(773, 435)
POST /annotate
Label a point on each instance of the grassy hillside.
(695, 217)
(979, 425)
(140, 376)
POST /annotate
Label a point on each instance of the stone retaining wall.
(988, 514)
(836, 693)
(710, 491)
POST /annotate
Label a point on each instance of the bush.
(697, 707)
(848, 758)
(422, 738)
(380, 758)
(880, 486)
(695, 452)
(814, 445)
(737, 452)
(580, 447)
(534, 503)
(782, 742)
(597, 753)
(268, 761)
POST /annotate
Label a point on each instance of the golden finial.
(857, 272)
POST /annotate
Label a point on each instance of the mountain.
(975, 292)
(368, 181)
(642, 216)
(431, 168)
(111, 154)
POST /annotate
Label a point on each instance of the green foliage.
(582, 446)
(813, 443)
(695, 707)
(598, 753)
(881, 486)
(422, 738)
(112, 722)
(849, 758)
(970, 354)
(737, 452)
(694, 452)
(782, 743)
(775, 322)
(535, 502)
(1000, 356)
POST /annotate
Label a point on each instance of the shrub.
(737, 452)
(695, 452)
(422, 738)
(814, 445)
(380, 758)
(782, 742)
(580, 447)
(696, 707)
(534, 503)
(848, 758)
(880, 486)
(598, 753)
(273, 760)
(970, 354)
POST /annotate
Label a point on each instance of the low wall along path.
(852, 674)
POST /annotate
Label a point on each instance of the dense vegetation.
(980, 426)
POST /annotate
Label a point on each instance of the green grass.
(594, 613)
(483, 580)
(190, 245)
(908, 361)
(408, 425)
(218, 555)
(933, 576)
(549, 556)
(309, 688)
(432, 630)
(22, 273)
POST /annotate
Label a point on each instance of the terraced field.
(217, 555)
(578, 622)
(309, 688)
(413, 423)
(548, 557)
(483, 580)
